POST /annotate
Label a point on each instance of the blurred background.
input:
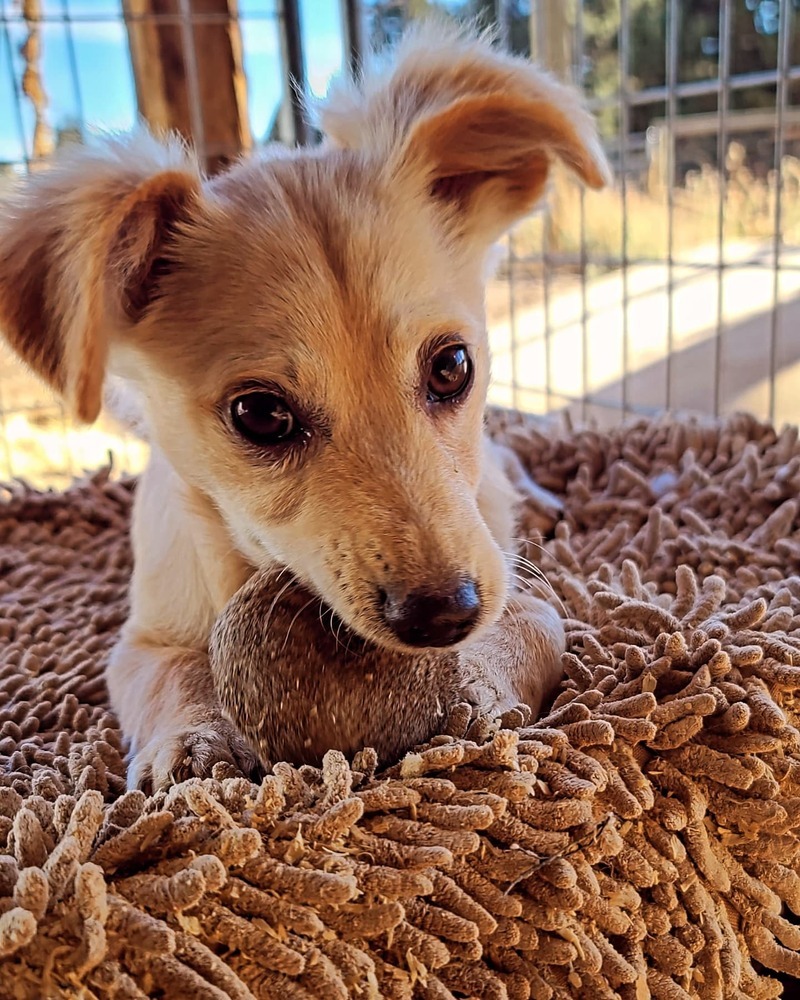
(678, 289)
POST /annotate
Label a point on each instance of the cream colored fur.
(327, 272)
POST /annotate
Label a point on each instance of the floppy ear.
(81, 249)
(478, 129)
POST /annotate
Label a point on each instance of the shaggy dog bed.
(640, 841)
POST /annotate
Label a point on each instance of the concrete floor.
(621, 356)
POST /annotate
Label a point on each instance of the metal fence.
(678, 289)
(706, 321)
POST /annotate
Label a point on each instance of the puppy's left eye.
(450, 373)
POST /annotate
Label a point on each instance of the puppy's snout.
(440, 617)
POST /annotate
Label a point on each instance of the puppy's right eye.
(265, 418)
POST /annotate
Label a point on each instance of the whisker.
(528, 568)
(278, 596)
(291, 623)
(323, 611)
(529, 586)
(541, 548)
(338, 640)
(349, 641)
(523, 563)
(523, 581)
(348, 650)
(520, 562)
(527, 564)
(516, 610)
(536, 545)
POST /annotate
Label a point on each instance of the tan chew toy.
(296, 687)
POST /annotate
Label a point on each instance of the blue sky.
(87, 74)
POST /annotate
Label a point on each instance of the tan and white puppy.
(306, 335)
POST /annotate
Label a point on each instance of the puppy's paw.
(190, 752)
(486, 691)
(516, 662)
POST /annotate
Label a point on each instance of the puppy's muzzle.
(434, 617)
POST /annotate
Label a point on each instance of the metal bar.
(672, 53)
(502, 20)
(577, 73)
(750, 120)
(624, 125)
(192, 80)
(295, 66)
(544, 12)
(20, 122)
(512, 321)
(18, 98)
(69, 458)
(353, 24)
(546, 304)
(723, 105)
(73, 64)
(785, 24)
(695, 88)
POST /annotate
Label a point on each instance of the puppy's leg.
(517, 660)
(169, 713)
(504, 475)
(497, 499)
(524, 484)
(158, 675)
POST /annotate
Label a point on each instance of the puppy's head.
(307, 329)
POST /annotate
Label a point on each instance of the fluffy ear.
(480, 129)
(81, 248)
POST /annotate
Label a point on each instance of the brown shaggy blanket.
(641, 841)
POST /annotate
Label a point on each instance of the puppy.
(306, 336)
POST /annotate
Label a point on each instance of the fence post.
(551, 28)
(207, 106)
(552, 25)
(353, 32)
(294, 68)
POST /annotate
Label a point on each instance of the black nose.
(440, 617)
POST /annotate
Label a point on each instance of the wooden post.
(551, 33)
(189, 73)
(551, 24)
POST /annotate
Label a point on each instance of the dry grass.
(642, 217)
(41, 446)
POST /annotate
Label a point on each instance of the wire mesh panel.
(676, 288)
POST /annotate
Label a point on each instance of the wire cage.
(677, 289)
